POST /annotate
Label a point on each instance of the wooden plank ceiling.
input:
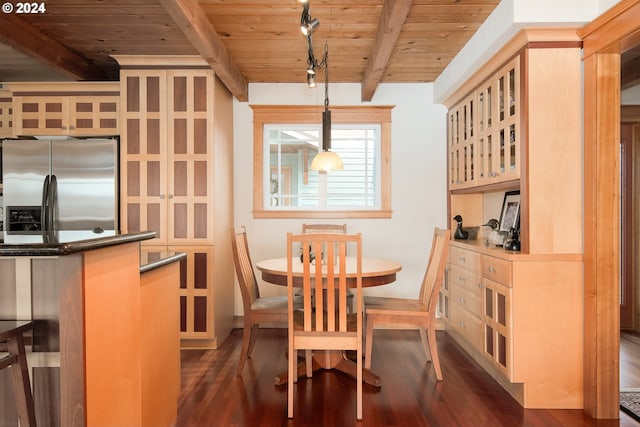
(370, 41)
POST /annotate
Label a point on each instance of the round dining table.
(375, 272)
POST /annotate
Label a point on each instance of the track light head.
(311, 80)
(310, 26)
(307, 25)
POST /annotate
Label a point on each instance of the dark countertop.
(148, 263)
(66, 243)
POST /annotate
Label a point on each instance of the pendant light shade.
(327, 161)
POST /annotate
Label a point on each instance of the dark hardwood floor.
(629, 360)
(212, 394)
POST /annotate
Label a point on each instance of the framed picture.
(510, 216)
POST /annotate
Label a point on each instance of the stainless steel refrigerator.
(55, 185)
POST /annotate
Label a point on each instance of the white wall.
(418, 179)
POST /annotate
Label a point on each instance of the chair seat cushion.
(273, 303)
(373, 304)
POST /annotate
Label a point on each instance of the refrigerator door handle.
(52, 204)
(44, 209)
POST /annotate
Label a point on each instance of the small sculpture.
(460, 234)
(513, 243)
(312, 255)
(495, 236)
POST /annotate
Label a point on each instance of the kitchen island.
(106, 343)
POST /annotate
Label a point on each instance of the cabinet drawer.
(469, 327)
(467, 301)
(468, 280)
(466, 259)
(496, 269)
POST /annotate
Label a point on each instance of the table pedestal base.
(332, 359)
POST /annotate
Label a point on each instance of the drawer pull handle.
(461, 299)
(492, 270)
(463, 279)
(462, 259)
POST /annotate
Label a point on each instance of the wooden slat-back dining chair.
(324, 228)
(413, 312)
(257, 309)
(329, 228)
(333, 328)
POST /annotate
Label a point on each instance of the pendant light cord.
(325, 62)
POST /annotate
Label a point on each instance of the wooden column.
(604, 40)
(602, 235)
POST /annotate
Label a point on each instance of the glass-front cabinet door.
(499, 125)
(462, 144)
(484, 132)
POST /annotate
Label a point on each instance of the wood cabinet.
(465, 296)
(168, 154)
(518, 316)
(516, 125)
(496, 313)
(484, 131)
(462, 144)
(6, 114)
(540, 163)
(106, 347)
(160, 346)
(69, 109)
(176, 180)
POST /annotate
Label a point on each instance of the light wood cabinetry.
(465, 296)
(484, 131)
(6, 114)
(168, 154)
(160, 346)
(519, 317)
(496, 313)
(516, 125)
(548, 140)
(106, 346)
(176, 175)
(69, 109)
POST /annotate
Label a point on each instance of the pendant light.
(325, 160)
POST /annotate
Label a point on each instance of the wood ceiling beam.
(193, 22)
(394, 14)
(24, 37)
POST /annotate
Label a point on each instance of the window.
(286, 138)
(288, 152)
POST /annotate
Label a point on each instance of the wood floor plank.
(212, 394)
